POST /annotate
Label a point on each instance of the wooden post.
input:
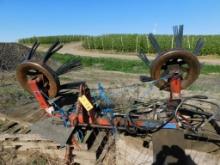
(148, 46)
(112, 45)
(172, 42)
(94, 43)
(88, 43)
(192, 41)
(102, 44)
(137, 43)
(122, 44)
(188, 42)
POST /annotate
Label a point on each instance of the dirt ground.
(17, 103)
(117, 85)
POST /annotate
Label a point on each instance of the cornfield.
(132, 42)
(137, 42)
(52, 39)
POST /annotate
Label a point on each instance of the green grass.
(206, 69)
(122, 65)
(110, 64)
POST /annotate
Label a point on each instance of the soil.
(117, 85)
(17, 103)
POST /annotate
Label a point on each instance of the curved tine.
(154, 43)
(51, 53)
(36, 47)
(55, 50)
(145, 78)
(175, 30)
(53, 46)
(72, 85)
(178, 35)
(181, 29)
(34, 50)
(175, 33)
(144, 58)
(72, 65)
(198, 47)
(48, 54)
(28, 57)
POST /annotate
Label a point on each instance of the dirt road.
(77, 49)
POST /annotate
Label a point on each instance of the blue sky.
(26, 18)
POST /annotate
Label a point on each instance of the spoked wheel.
(33, 70)
(177, 58)
(47, 79)
(186, 62)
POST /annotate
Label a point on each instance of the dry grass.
(10, 156)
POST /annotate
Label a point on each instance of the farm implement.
(73, 111)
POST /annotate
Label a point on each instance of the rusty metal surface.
(192, 71)
(43, 70)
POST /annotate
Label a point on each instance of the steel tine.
(198, 47)
(154, 43)
(55, 50)
(144, 58)
(72, 65)
(178, 35)
(29, 56)
(48, 54)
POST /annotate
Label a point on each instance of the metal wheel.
(189, 67)
(39, 70)
(30, 70)
(184, 62)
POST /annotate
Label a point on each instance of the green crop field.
(132, 42)
(52, 39)
(135, 43)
